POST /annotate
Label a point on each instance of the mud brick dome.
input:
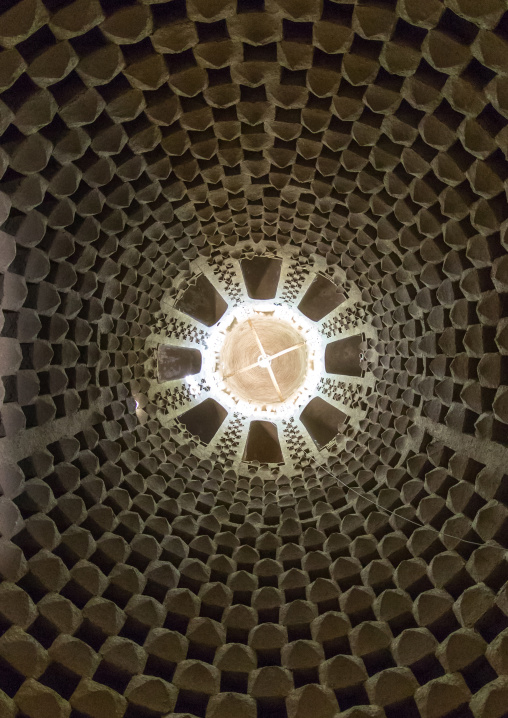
(170, 169)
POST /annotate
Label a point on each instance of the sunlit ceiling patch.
(264, 361)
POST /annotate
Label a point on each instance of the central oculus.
(263, 361)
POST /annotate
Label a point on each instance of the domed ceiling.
(186, 187)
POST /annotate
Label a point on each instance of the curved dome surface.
(162, 165)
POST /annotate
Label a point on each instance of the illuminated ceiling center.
(264, 361)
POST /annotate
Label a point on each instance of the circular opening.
(263, 360)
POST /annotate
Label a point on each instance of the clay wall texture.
(146, 575)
